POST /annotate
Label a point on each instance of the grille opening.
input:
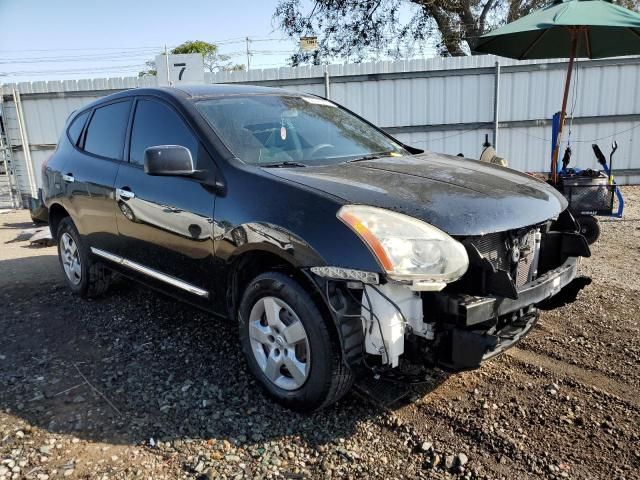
(512, 252)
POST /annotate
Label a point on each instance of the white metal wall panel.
(448, 103)
(529, 148)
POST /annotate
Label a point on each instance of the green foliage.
(213, 61)
(356, 28)
(197, 46)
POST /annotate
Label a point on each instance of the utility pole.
(248, 54)
(166, 59)
(327, 92)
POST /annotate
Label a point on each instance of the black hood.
(459, 196)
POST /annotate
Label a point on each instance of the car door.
(165, 223)
(89, 173)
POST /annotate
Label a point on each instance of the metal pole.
(326, 82)
(496, 106)
(26, 148)
(248, 54)
(563, 113)
(166, 60)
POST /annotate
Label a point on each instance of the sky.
(63, 39)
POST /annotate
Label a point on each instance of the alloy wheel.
(279, 343)
(70, 258)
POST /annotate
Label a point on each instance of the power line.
(226, 41)
(109, 59)
(74, 70)
(53, 60)
(79, 49)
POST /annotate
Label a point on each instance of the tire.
(324, 378)
(589, 228)
(84, 276)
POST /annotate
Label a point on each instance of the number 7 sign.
(183, 68)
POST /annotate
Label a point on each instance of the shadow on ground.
(136, 365)
(27, 274)
(19, 225)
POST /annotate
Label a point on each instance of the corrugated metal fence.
(441, 104)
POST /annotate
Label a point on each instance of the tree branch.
(450, 39)
(483, 15)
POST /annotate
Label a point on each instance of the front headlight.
(407, 248)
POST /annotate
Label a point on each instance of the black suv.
(339, 250)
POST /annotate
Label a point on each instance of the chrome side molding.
(151, 272)
(107, 255)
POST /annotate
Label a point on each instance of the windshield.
(272, 130)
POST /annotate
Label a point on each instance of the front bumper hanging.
(468, 310)
(469, 342)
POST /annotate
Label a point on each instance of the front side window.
(106, 130)
(272, 129)
(154, 124)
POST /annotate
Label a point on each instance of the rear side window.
(75, 129)
(155, 123)
(106, 130)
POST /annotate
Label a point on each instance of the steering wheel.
(317, 148)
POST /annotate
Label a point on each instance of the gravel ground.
(134, 385)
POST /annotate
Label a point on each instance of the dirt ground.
(134, 385)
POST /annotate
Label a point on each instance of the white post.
(166, 59)
(326, 82)
(26, 148)
(496, 106)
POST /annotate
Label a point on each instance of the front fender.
(269, 238)
(261, 213)
(264, 212)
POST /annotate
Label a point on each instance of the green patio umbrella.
(567, 29)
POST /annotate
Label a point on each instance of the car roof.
(185, 92)
(228, 89)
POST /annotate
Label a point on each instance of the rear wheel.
(589, 228)
(84, 276)
(289, 346)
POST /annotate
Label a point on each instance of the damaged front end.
(387, 323)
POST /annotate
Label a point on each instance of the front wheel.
(289, 346)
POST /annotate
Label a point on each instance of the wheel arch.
(346, 330)
(56, 213)
(247, 263)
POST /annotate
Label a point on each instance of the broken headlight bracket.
(387, 311)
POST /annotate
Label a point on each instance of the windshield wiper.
(372, 156)
(282, 164)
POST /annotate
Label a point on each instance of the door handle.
(68, 178)
(125, 193)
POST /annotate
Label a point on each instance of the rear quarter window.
(107, 129)
(75, 129)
